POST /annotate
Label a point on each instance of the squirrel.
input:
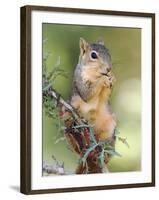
(92, 86)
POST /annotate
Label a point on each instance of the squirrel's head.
(95, 55)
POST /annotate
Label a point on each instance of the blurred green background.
(125, 48)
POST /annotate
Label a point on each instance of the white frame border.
(37, 180)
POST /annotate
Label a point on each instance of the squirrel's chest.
(92, 108)
(85, 108)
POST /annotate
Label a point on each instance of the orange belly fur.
(97, 114)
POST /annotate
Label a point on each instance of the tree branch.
(55, 168)
(59, 99)
(94, 154)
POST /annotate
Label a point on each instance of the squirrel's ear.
(100, 41)
(83, 45)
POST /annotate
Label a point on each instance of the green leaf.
(124, 141)
(91, 148)
(116, 132)
(92, 138)
(59, 140)
(101, 159)
(47, 87)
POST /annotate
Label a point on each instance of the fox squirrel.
(92, 86)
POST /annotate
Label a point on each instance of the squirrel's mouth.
(104, 74)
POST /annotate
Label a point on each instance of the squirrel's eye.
(94, 55)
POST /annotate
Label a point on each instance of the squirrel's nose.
(106, 71)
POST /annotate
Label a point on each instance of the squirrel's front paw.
(109, 80)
